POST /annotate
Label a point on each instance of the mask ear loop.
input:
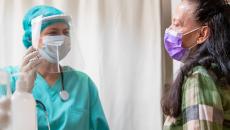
(193, 46)
(191, 32)
(195, 30)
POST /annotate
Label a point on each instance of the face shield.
(52, 37)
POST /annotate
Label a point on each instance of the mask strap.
(192, 31)
(192, 46)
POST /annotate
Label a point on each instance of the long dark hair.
(216, 49)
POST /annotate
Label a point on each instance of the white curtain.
(120, 43)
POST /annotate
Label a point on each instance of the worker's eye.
(66, 32)
(52, 33)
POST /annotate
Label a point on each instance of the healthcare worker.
(199, 36)
(69, 98)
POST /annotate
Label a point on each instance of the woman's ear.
(203, 35)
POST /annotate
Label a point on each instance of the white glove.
(4, 112)
(31, 61)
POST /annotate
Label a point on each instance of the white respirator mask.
(55, 48)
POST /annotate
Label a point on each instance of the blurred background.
(121, 47)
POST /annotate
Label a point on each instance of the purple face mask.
(173, 44)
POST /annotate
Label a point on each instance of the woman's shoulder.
(11, 69)
(13, 75)
(199, 73)
(76, 73)
(13, 72)
(73, 70)
(199, 70)
(80, 76)
(200, 77)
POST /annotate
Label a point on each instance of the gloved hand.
(28, 69)
(31, 61)
(4, 112)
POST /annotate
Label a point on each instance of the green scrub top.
(83, 109)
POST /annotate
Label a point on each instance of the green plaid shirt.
(205, 105)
